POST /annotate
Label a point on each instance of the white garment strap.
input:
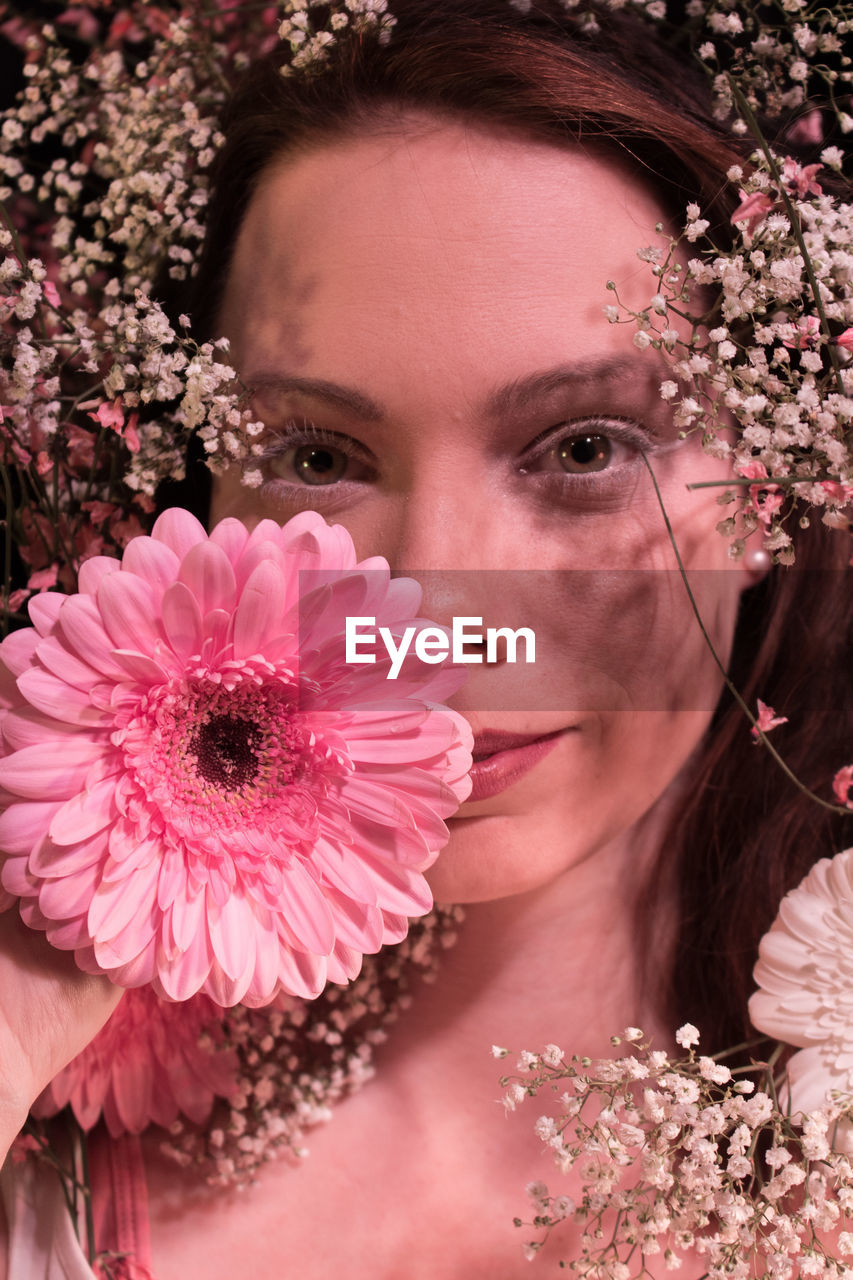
(42, 1243)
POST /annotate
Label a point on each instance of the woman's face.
(421, 314)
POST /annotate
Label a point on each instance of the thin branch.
(733, 690)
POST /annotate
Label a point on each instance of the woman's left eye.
(583, 449)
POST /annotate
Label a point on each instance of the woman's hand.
(49, 1011)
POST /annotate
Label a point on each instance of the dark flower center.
(226, 750)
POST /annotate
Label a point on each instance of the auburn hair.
(744, 834)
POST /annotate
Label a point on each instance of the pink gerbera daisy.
(200, 793)
(151, 1062)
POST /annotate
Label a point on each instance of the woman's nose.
(458, 546)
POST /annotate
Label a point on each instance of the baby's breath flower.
(691, 1164)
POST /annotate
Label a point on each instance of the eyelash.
(620, 431)
(299, 433)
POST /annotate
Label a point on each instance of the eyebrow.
(332, 393)
(504, 401)
(522, 392)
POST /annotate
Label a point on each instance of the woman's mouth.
(501, 758)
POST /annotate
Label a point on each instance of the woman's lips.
(500, 759)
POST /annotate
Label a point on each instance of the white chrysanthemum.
(805, 979)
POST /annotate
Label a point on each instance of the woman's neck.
(556, 965)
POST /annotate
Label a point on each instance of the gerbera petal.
(363, 796)
(94, 570)
(356, 924)
(388, 743)
(23, 825)
(68, 897)
(396, 927)
(231, 535)
(262, 552)
(139, 666)
(179, 530)
(16, 878)
(186, 918)
(53, 861)
(393, 844)
(341, 868)
(153, 561)
(182, 621)
(65, 664)
(258, 613)
(65, 935)
(425, 813)
(300, 973)
(402, 599)
(56, 768)
(264, 981)
(80, 624)
(126, 946)
(131, 1093)
(85, 814)
(127, 608)
(55, 698)
(9, 695)
(397, 889)
(344, 964)
(217, 629)
(232, 935)
(44, 610)
(307, 911)
(268, 531)
(208, 573)
(179, 979)
(139, 972)
(16, 651)
(116, 903)
(136, 855)
(331, 603)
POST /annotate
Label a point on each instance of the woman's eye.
(583, 454)
(317, 461)
(321, 464)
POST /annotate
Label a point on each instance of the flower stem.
(7, 550)
(87, 1195)
(801, 786)
(761, 482)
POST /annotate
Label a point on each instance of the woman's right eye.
(312, 456)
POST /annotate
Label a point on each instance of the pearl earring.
(757, 560)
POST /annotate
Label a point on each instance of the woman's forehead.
(429, 238)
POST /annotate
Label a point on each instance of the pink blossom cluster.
(777, 57)
(310, 43)
(104, 165)
(684, 1158)
(773, 359)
